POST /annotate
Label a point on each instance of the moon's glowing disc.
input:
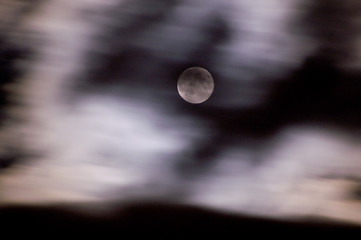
(195, 85)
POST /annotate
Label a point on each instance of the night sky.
(94, 134)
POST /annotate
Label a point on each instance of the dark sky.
(90, 110)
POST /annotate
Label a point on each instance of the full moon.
(195, 85)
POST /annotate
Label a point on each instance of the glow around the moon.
(195, 85)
